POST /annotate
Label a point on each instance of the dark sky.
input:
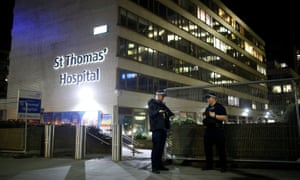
(276, 22)
(6, 20)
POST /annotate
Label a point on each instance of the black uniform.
(159, 125)
(214, 134)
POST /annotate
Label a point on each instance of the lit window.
(128, 75)
(276, 89)
(233, 101)
(283, 65)
(208, 20)
(287, 88)
(200, 14)
(266, 106)
(215, 75)
(261, 69)
(254, 106)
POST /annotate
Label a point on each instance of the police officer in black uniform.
(159, 115)
(213, 120)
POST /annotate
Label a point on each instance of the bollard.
(116, 137)
(49, 139)
(80, 142)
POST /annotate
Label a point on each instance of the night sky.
(276, 22)
(6, 20)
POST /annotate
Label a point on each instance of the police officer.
(159, 115)
(213, 121)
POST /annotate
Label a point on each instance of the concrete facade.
(45, 31)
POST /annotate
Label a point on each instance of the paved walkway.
(39, 168)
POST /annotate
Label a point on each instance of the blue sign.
(29, 105)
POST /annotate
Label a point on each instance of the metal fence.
(263, 124)
(263, 120)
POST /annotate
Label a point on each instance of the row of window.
(193, 9)
(284, 88)
(195, 30)
(142, 54)
(134, 51)
(133, 81)
(164, 36)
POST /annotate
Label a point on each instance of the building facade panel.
(54, 51)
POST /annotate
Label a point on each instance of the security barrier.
(263, 124)
(263, 120)
(54, 141)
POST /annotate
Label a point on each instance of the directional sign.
(29, 105)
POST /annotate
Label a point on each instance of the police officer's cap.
(161, 92)
(211, 94)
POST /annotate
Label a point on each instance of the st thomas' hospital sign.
(73, 60)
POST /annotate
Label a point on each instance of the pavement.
(103, 168)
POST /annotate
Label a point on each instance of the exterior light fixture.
(100, 29)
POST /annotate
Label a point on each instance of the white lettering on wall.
(79, 78)
(73, 60)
